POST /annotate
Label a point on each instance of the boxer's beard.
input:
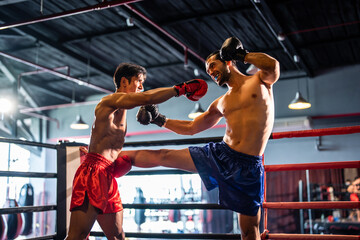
(225, 76)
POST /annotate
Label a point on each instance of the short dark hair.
(127, 70)
(218, 57)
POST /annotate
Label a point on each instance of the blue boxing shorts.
(240, 177)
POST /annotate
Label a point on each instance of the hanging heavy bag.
(3, 227)
(26, 198)
(14, 221)
(139, 213)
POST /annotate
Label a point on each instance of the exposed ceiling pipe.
(42, 71)
(273, 32)
(51, 107)
(59, 74)
(100, 6)
(186, 48)
(44, 117)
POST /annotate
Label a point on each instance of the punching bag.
(3, 227)
(26, 198)
(14, 221)
(139, 213)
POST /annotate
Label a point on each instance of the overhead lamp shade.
(79, 123)
(196, 111)
(299, 102)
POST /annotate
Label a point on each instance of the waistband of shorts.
(241, 155)
(98, 159)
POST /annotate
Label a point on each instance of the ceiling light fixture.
(197, 111)
(281, 37)
(299, 102)
(79, 124)
(130, 22)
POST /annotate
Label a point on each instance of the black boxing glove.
(156, 117)
(143, 116)
(232, 49)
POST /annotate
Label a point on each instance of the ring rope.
(309, 236)
(272, 205)
(176, 235)
(316, 132)
(308, 166)
(25, 142)
(277, 135)
(14, 210)
(312, 205)
(173, 206)
(27, 174)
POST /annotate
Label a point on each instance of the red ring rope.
(310, 236)
(312, 205)
(305, 166)
(316, 132)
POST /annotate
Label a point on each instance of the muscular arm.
(131, 100)
(269, 66)
(205, 121)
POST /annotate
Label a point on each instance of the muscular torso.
(248, 109)
(108, 132)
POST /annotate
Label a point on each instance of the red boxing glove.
(193, 89)
(121, 166)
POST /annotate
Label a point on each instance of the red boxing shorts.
(94, 178)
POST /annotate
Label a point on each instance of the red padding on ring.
(316, 132)
(312, 205)
(312, 236)
(305, 166)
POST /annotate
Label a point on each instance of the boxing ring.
(62, 175)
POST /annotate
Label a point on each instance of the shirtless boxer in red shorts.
(95, 193)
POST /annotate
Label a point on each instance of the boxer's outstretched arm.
(130, 100)
(205, 121)
(269, 66)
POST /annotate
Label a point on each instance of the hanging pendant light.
(299, 102)
(196, 111)
(79, 123)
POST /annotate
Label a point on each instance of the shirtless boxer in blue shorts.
(235, 164)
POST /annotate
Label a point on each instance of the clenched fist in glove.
(150, 114)
(193, 89)
(232, 49)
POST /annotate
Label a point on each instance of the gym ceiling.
(58, 52)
